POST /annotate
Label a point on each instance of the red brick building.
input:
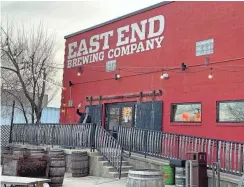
(116, 68)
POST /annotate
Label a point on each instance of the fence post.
(120, 164)
(12, 122)
(178, 145)
(145, 137)
(92, 137)
(217, 151)
(52, 134)
(130, 140)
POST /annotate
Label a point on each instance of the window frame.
(184, 122)
(217, 111)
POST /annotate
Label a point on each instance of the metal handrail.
(83, 135)
(174, 146)
(109, 148)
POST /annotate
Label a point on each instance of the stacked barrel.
(57, 167)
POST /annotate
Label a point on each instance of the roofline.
(119, 18)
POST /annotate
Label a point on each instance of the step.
(113, 169)
(101, 158)
(106, 163)
(115, 174)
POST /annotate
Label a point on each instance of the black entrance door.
(119, 114)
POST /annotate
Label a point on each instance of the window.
(186, 112)
(230, 111)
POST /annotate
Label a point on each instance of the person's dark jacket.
(82, 117)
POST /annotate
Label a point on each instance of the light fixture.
(64, 104)
(117, 76)
(164, 76)
(79, 71)
(63, 88)
(63, 111)
(183, 66)
(70, 84)
(210, 76)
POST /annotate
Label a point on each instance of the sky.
(66, 17)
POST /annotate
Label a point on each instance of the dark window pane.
(232, 111)
(186, 112)
(113, 118)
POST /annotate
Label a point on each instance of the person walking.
(84, 117)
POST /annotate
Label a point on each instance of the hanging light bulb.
(79, 71)
(162, 76)
(210, 76)
(117, 76)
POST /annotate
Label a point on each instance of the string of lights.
(208, 67)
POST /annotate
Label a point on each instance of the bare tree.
(27, 57)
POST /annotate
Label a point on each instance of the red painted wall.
(185, 24)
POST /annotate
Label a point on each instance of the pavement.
(92, 181)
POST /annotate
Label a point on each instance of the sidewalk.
(92, 181)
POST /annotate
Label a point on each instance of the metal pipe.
(188, 162)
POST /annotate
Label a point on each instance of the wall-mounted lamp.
(80, 71)
(63, 111)
(64, 104)
(183, 66)
(164, 76)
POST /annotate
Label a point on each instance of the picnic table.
(23, 181)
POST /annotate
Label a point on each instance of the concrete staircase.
(102, 168)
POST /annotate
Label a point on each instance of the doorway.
(119, 114)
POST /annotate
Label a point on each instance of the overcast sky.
(66, 17)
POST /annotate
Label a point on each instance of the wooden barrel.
(144, 178)
(34, 151)
(57, 167)
(80, 164)
(180, 177)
